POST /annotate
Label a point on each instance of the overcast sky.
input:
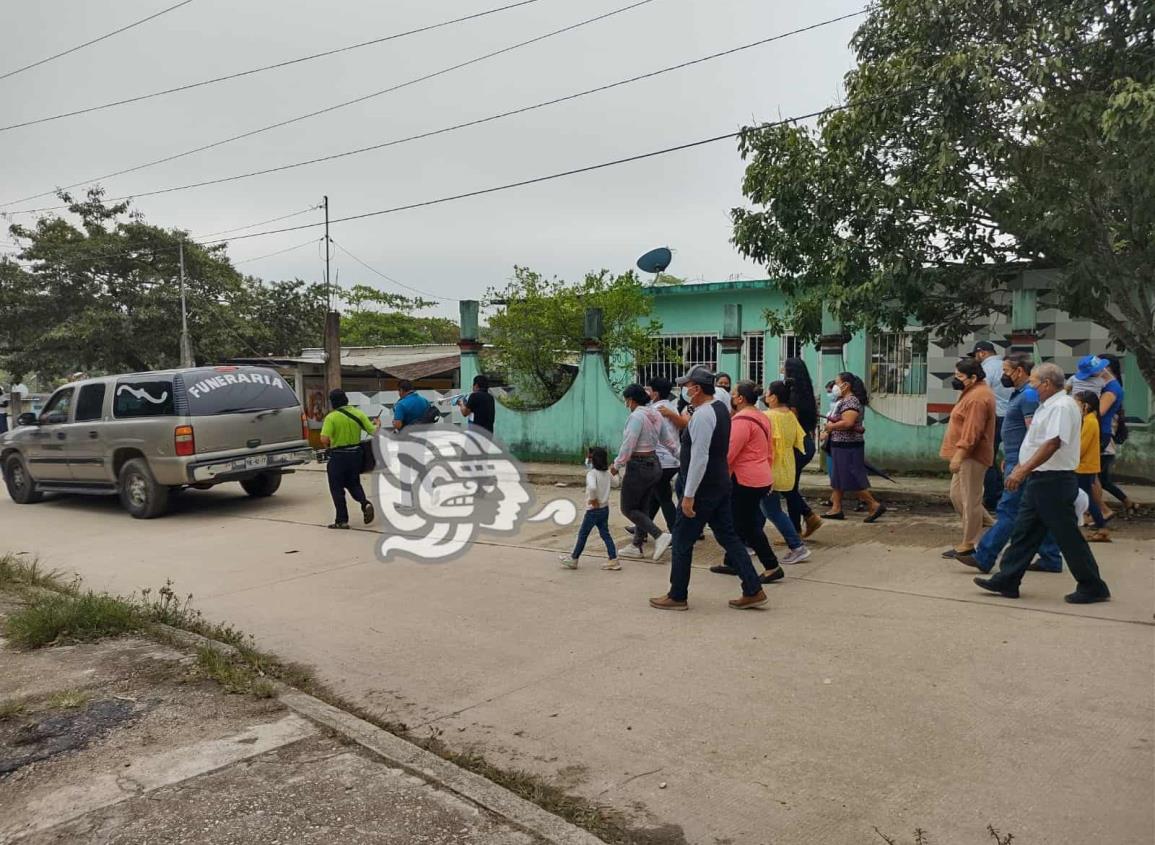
(604, 219)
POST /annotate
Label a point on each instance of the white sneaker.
(631, 551)
(661, 544)
(797, 555)
(568, 562)
(612, 565)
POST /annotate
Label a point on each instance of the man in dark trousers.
(704, 486)
(480, 404)
(341, 435)
(1046, 472)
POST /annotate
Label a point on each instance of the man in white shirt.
(1046, 472)
(986, 354)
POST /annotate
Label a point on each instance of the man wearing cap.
(704, 482)
(986, 354)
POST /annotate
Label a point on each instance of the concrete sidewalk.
(881, 688)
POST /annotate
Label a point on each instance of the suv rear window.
(235, 391)
(142, 399)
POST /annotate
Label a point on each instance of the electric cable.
(94, 40)
(390, 278)
(477, 122)
(263, 68)
(342, 105)
(262, 222)
(309, 242)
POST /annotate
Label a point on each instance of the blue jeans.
(712, 509)
(795, 505)
(991, 545)
(598, 518)
(772, 508)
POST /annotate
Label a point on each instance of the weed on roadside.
(11, 708)
(167, 608)
(233, 675)
(67, 700)
(63, 617)
(18, 573)
(921, 837)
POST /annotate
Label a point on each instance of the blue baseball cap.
(1090, 366)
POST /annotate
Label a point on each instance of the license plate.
(256, 461)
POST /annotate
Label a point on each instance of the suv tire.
(21, 487)
(140, 495)
(263, 485)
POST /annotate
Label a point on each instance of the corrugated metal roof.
(397, 361)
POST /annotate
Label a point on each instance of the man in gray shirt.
(704, 487)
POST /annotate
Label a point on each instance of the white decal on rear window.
(140, 393)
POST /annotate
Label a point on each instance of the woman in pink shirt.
(749, 456)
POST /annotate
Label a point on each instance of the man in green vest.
(341, 435)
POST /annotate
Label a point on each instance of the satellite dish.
(656, 260)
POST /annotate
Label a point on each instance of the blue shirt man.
(410, 408)
(1021, 406)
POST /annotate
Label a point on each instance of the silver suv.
(143, 435)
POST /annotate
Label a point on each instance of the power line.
(261, 223)
(309, 242)
(479, 121)
(342, 105)
(523, 183)
(263, 68)
(391, 279)
(95, 40)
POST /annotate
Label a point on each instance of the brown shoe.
(813, 523)
(746, 602)
(667, 603)
(1100, 536)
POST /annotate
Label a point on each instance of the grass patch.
(18, 574)
(63, 617)
(67, 700)
(11, 708)
(235, 676)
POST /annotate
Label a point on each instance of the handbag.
(368, 459)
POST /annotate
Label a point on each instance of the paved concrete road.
(880, 689)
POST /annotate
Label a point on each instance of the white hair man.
(1046, 472)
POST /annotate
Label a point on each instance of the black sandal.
(834, 515)
(879, 511)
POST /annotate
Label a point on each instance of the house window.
(791, 347)
(677, 353)
(898, 363)
(754, 357)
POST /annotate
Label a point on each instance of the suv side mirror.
(27, 419)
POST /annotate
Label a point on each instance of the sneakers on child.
(661, 544)
(797, 555)
(568, 562)
(610, 565)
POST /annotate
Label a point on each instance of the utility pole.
(186, 353)
(332, 338)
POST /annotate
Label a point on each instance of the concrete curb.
(429, 766)
(412, 758)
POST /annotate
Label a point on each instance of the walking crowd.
(730, 457)
(735, 455)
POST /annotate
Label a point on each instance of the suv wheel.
(263, 485)
(21, 487)
(139, 493)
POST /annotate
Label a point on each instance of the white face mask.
(835, 394)
(686, 395)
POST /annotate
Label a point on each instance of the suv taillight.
(184, 441)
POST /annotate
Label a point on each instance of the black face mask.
(957, 384)
(1007, 381)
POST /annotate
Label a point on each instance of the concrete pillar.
(1024, 320)
(469, 345)
(730, 343)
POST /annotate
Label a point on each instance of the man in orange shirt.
(969, 444)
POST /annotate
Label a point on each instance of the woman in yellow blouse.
(1089, 463)
(788, 436)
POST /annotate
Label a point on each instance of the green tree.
(104, 296)
(978, 138)
(540, 327)
(366, 324)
